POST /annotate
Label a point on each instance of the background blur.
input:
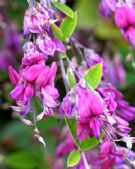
(18, 148)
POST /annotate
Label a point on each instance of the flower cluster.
(102, 109)
(36, 78)
(103, 156)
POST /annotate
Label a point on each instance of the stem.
(44, 2)
(31, 3)
(64, 76)
(34, 114)
(86, 165)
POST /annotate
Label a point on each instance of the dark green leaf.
(68, 26)
(57, 31)
(73, 158)
(88, 144)
(71, 124)
(93, 75)
(64, 8)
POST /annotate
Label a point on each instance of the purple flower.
(38, 80)
(49, 45)
(104, 9)
(37, 19)
(88, 111)
(115, 71)
(67, 144)
(68, 106)
(92, 106)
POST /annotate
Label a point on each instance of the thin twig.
(86, 165)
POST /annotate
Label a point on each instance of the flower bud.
(13, 75)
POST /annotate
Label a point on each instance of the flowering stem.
(86, 165)
(64, 76)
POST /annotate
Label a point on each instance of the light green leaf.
(63, 55)
(21, 160)
(64, 8)
(71, 78)
(93, 75)
(57, 31)
(73, 158)
(68, 26)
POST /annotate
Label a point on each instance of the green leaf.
(57, 31)
(71, 78)
(68, 26)
(93, 75)
(64, 8)
(88, 143)
(21, 160)
(71, 124)
(73, 158)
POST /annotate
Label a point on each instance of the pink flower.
(92, 106)
(121, 17)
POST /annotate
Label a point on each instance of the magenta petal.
(83, 131)
(95, 126)
(46, 45)
(59, 46)
(48, 99)
(84, 102)
(121, 19)
(33, 72)
(52, 91)
(29, 91)
(17, 91)
(95, 104)
(43, 77)
(52, 73)
(106, 147)
(121, 121)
